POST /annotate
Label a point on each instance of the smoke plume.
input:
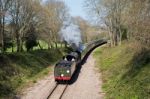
(71, 34)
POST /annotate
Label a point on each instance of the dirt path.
(87, 86)
(40, 90)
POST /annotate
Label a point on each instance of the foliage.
(31, 39)
(30, 43)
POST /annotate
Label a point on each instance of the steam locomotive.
(65, 68)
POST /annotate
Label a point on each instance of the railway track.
(57, 91)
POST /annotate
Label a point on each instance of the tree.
(83, 25)
(4, 6)
(138, 21)
(22, 13)
(18, 17)
(123, 18)
(31, 38)
(54, 14)
(110, 12)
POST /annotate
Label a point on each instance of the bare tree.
(23, 15)
(4, 6)
(109, 11)
(55, 13)
(138, 20)
(84, 26)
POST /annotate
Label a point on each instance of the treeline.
(24, 22)
(123, 19)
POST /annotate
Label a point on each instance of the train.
(65, 68)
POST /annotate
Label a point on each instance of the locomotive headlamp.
(73, 60)
(68, 71)
(62, 75)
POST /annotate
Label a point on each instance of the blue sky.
(76, 7)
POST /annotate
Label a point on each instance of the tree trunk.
(2, 34)
(12, 48)
(39, 45)
(18, 41)
(65, 44)
(21, 46)
(48, 46)
(61, 45)
(56, 45)
(120, 36)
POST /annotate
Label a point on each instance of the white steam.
(71, 34)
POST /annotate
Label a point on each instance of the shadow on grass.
(139, 61)
(15, 68)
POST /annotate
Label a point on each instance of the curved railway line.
(57, 91)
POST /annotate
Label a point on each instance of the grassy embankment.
(18, 70)
(125, 71)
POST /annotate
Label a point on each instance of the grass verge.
(125, 71)
(17, 70)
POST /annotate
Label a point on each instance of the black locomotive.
(65, 68)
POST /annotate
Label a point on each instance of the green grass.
(17, 70)
(125, 71)
(42, 43)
